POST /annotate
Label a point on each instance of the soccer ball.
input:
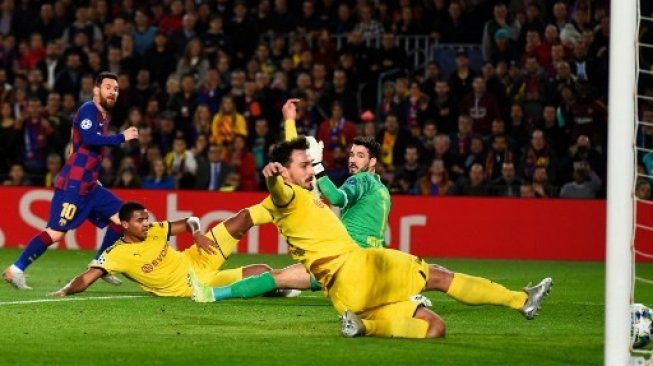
(641, 325)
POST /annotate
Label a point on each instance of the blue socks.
(114, 232)
(35, 248)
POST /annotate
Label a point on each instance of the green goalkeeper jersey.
(365, 204)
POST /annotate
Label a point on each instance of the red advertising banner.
(455, 227)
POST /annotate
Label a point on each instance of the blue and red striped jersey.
(89, 135)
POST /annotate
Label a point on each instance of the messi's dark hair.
(282, 153)
(105, 75)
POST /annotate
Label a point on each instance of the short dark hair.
(373, 147)
(282, 153)
(105, 75)
(127, 209)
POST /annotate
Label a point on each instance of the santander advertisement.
(446, 227)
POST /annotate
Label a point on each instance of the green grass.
(298, 331)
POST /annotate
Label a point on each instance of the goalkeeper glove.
(315, 151)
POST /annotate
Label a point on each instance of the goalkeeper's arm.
(336, 196)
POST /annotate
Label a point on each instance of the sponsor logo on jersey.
(63, 222)
(86, 124)
(318, 202)
(149, 267)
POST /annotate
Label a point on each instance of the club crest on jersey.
(318, 202)
(86, 124)
(147, 268)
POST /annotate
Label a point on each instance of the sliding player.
(144, 256)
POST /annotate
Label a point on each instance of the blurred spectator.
(231, 183)
(158, 177)
(538, 154)
(461, 79)
(367, 25)
(35, 135)
(337, 131)
(216, 40)
(407, 173)
(143, 32)
(180, 38)
(643, 189)
(415, 109)
(586, 183)
(17, 177)
(69, 78)
(454, 28)
(541, 183)
(497, 156)
(526, 191)
(127, 178)
(211, 171)
(227, 123)
(481, 106)
(393, 139)
(243, 162)
(53, 166)
(160, 59)
(500, 20)
(344, 21)
(474, 184)
(47, 25)
(390, 56)
(172, 19)
(476, 155)
(341, 93)
(51, 65)
(181, 164)
(436, 183)
(426, 142)
(508, 184)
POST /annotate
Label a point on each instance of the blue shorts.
(68, 210)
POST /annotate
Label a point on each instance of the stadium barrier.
(448, 227)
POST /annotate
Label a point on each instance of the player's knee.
(255, 269)
(437, 329)
(439, 278)
(49, 236)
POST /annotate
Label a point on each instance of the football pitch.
(124, 326)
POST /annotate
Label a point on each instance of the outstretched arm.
(80, 283)
(289, 111)
(280, 192)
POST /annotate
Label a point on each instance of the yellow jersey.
(157, 267)
(316, 237)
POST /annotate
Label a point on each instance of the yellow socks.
(472, 290)
(400, 327)
(225, 241)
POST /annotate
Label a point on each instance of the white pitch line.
(72, 299)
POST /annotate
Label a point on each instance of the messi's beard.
(104, 102)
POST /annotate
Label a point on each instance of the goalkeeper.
(364, 202)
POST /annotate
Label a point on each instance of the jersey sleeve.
(109, 261)
(281, 194)
(289, 130)
(259, 214)
(90, 131)
(348, 194)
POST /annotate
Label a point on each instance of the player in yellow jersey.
(375, 290)
(144, 256)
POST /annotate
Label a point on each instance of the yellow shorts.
(207, 268)
(377, 283)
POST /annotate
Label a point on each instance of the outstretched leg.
(14, 274)
(472, 290)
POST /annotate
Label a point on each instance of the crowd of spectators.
(204, 82)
